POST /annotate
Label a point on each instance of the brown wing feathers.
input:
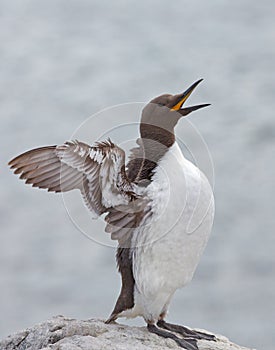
(98, 172)
(42, 168)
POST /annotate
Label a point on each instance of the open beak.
(178, 101)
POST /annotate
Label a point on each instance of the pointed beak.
(178, 101)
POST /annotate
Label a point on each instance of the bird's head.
(160, 116)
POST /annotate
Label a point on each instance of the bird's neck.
(158, 135)
(155, 142)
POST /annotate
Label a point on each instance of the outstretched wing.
(97, 171)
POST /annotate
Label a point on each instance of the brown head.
(161, 115)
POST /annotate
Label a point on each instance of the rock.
(62, 333)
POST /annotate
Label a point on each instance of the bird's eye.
(161, 104)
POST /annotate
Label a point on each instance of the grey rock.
(61, 333)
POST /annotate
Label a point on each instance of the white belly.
(169, 247)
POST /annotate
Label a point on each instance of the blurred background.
(62, 61)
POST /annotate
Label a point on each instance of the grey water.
(63, 61)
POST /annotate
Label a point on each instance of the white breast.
(168, 248)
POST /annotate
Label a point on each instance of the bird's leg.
(188, 344)
(186, 332)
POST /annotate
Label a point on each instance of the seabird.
(159, 207)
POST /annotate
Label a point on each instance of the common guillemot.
(159, 207)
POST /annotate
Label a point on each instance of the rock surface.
(62, 333)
